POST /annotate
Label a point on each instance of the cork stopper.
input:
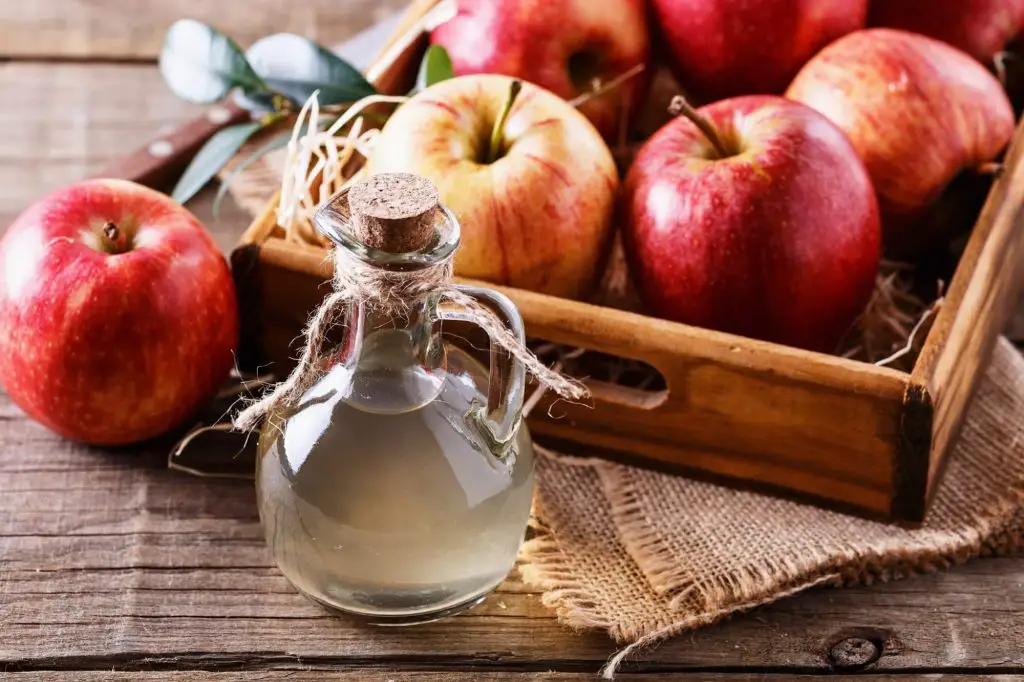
(394, 212)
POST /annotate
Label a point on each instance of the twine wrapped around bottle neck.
(391, 291)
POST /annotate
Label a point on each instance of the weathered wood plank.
(978, 306)
(65, 120)
(377, 675)
(118, 29)
(69, 120)
(126, 562)
(1015, 330)
(927, 628)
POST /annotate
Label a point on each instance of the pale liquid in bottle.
(386, 502)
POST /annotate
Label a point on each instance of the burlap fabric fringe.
(390, 291)
(645, 556)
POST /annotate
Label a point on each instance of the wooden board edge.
(829, 493)
(246, 271)
(965, 276)
(648, 339)
(262, 227)
(390, 71)
(412, 14)
(911, 463)
(976, 308)
(657, 342)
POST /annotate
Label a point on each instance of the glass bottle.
(399, 487)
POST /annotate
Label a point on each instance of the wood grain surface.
(63, 122)
(134, 29)
(980, 301)
(1015, 330)
(110, 561)
(68, 121)
(300, 674)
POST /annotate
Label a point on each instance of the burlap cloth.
(645, 556)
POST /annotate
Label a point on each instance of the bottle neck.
(396, 358)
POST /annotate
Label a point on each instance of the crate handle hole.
(626, 396)
(611, 379)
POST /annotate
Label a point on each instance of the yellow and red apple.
(118, 315)
(917, 111)
(536, 205)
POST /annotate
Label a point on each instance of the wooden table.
(114, 568)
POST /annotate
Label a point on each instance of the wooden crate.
(841, 433)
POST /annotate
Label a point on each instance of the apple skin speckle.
(109, 349)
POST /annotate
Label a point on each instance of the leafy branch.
(271, 79)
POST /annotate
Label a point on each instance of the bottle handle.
(499, 420)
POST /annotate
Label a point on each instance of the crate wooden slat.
(842, 433)
(981, 298)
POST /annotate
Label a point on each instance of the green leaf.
(217, 151)
(297, 67)
(435, 67)
(200, 64)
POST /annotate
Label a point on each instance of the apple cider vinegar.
(394, 509)
(395, 474)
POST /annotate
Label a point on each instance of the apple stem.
(679, 105)
(114, 239)
(498, 133)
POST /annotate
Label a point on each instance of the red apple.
(917, 111)
(771, 231)
(536, 203)
(979, 27)
(564, 46)
(721, 48)
(117, 313)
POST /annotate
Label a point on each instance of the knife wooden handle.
(160, 163)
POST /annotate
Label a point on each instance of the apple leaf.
(435, 67)
(297, 67)
(217, 151)
(200, 64)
